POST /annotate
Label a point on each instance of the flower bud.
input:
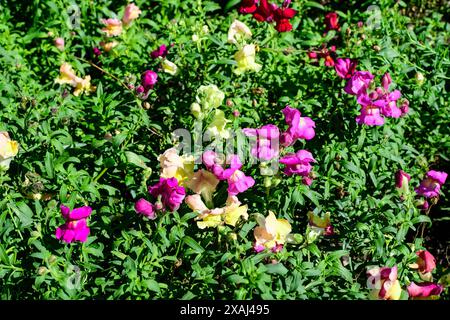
(42, 271)
(196, 110)
(59, 43)
(402, 182)
(420, 78)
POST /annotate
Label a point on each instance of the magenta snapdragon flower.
(237, 180)
(298, 163)
(75, 228)
(149, 79)
(424, 290)
(170, 193)
(145, 208)
(431, 185)
(299, 127)
(401, 179)
(370, 113)
(160, 52)
(266, 146)
(359, 83)
(345, 68)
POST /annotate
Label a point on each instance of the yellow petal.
(211, 221)
(394, 292)
(233, 214)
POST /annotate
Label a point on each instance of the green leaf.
(421, 218)
(24, 213)
(152, 285)
(193, 244)
(276, 268)
(135, 159)
(4, 256)
(314, 4)
(237, 279)
(231, 3)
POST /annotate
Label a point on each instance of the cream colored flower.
(205, 183)
(113, 27)
(176, 166)
(8, 149)
(218, 125)
(245, 59)
(131, 13)
(211, 218)
(108, 46)
(238, 31)
(271, 232)
(169, 67)
(84, 86)
(67, 75)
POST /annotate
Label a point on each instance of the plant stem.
(100, 174)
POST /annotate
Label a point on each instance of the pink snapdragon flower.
(402, 183)
(402, 179)
(431, 185)
(131, 13)
(145, 208)
(75, 228)
(237, 181)
(113, 27)
(386, 81)
(299, 127)
(370, 111)
(266, 146)
(298, 163)
(345, 68)
(404, 107)
(425, 261)
(170, 193)
(383, 98)
(359, 83)
(149, 79)
(213, 163)
(97, 51)
(424, 290)
(160, 52)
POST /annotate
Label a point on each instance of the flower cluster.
(245, 57)
(68, 76)
(208, 98)
(298, 128)
(429, 187)
(386, 286)
(384, 283)
(327, 54)
(263, 11)
(425, 264)
(113, 27)
(75, 228)
(149, 78)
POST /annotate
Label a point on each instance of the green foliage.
(101, 150)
